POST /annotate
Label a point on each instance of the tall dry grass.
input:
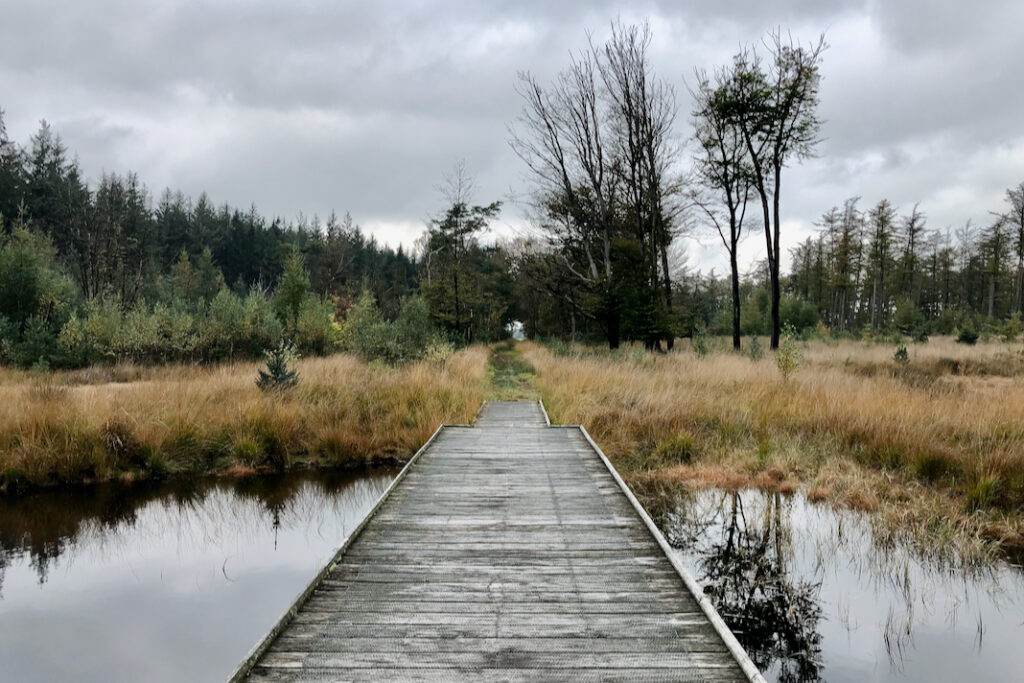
(852, 425)
(68, 427)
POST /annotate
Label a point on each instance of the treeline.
(105, 273)
(115, 240)
(879, 270)
(869, 271)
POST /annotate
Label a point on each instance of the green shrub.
(261, 328)
(756, 350)
(800, 315)
(366, 332)
(699, 340)
(292, 288)
(680, 449)
(315, 329)
(36, 298)
(788, 356)
(279, 375)
(1011, 329)
(968, 334)
(908, 317)
(901, 356)
(413, 327)
(247, 451)
(439, 350)
(222, 328)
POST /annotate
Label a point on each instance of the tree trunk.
(671, 341)
(734, 266)
(612, 324)
(774, 263)
(1020, 282)
(455, 275)
(991, 296)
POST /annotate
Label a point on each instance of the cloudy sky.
(308, 106)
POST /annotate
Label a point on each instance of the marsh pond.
(812, 594)
(171, 581)
(177, 580)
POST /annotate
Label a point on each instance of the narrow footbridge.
(506, 550)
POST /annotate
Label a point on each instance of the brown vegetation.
(944, 456)
(133, 422)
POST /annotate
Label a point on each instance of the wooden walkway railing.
(509, 550)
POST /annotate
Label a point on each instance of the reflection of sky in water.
(180, 592)
(873, 614)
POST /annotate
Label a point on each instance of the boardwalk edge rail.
(733, 645)
(242, 671)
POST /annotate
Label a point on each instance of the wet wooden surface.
(508, 552)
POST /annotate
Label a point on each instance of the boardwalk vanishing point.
(505, 550)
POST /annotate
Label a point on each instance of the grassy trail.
(511, 377)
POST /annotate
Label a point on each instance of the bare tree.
(775, 106)
(643, 109)
(560, 137)
(723, 173)
(598, 143)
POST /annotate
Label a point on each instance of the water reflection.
(165, 581)
(811, 595)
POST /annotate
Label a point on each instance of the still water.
(813, 596)
(163, 582)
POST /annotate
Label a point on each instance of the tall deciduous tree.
(723, 173)
(643, 110)
(775, 103)
(598, 142)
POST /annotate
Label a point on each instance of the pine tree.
(279, 376)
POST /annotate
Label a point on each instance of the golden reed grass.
(916, 443)
(66, 427)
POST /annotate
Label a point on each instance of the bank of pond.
(176, 580)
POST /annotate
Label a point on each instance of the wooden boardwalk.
(505, 551)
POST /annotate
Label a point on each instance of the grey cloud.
(362, 106)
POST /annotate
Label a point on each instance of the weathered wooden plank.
(550, 661)
(495, 675)
(300, 639)
(569, 628)
(507, 552)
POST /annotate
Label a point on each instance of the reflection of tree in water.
(46, 525)
(743, 568)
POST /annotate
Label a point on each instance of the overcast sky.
(309, 106)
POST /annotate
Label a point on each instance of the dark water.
(813, 596)
(173, 581)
